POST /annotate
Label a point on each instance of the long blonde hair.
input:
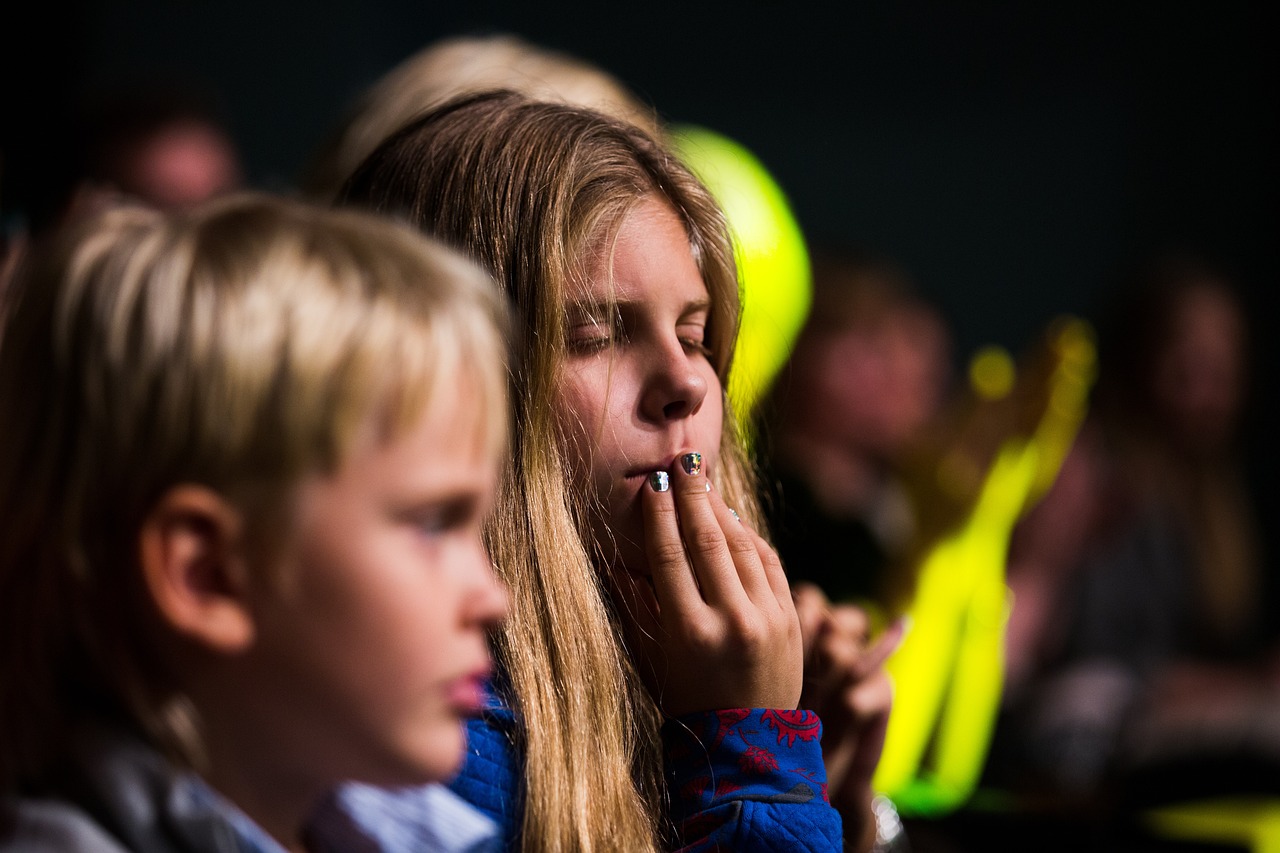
(241, 347)
(525, 188)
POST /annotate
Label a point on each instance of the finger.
(753, 556)
(811, 609)
(639, 615)
(889, 641)
(853, 744)
(713, 555)
(674, 584)
(851, 621)
(775, 575)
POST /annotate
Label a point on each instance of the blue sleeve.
(750, 780)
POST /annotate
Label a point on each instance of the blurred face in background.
(1199, 374)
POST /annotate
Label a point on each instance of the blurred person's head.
(872, 363)
(160, 146)
(466, 65)
(1175, 355)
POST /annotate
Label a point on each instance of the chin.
(437, 758)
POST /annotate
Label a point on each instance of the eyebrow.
(594, 307)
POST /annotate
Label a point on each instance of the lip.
(644, 470)
(668, 464)
(467, 694)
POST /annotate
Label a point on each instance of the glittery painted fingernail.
(659, 482)
(691, 463)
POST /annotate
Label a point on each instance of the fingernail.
(691, 462)
(659, 482)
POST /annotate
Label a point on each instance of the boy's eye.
(443, 518)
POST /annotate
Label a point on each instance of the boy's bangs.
(408, 365)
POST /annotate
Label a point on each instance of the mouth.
(668, 464)
(639, 472)
(468, 695)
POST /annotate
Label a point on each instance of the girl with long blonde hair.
(651, 668)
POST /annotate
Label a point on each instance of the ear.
(191, 552)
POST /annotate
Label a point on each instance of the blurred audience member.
(161, 145)
(166, 147)
(1135, 639)
(868, 372)
(465, 65)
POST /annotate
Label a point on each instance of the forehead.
(648, 257)
(461, 416)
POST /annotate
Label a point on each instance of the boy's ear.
(191, 547)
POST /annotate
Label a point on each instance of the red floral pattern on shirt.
(793, 724)
(758, 760)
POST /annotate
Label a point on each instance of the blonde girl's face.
(638, 389)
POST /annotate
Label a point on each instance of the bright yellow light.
(991, 373)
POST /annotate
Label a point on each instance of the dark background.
(1012, 155)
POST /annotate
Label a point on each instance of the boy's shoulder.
(35, 826)
(114, 794)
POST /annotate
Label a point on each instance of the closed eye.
(594, 329)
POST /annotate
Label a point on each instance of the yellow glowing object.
(773, 263)
(1252, 823)
(991, 373)
(948, 674)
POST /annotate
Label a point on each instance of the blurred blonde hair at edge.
(769, 247)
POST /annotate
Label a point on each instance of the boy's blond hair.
(240, 347)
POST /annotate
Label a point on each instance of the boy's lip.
(468, 694)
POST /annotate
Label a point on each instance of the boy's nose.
(488, 602)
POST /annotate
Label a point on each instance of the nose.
(674, 387)
(487, 601)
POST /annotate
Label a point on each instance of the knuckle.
(769, 557)
(668, 553)
(742, 548)
(706, 539)
(750, 632)
(702, 636)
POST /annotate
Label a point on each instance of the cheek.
(592, 412)
(711, 416)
